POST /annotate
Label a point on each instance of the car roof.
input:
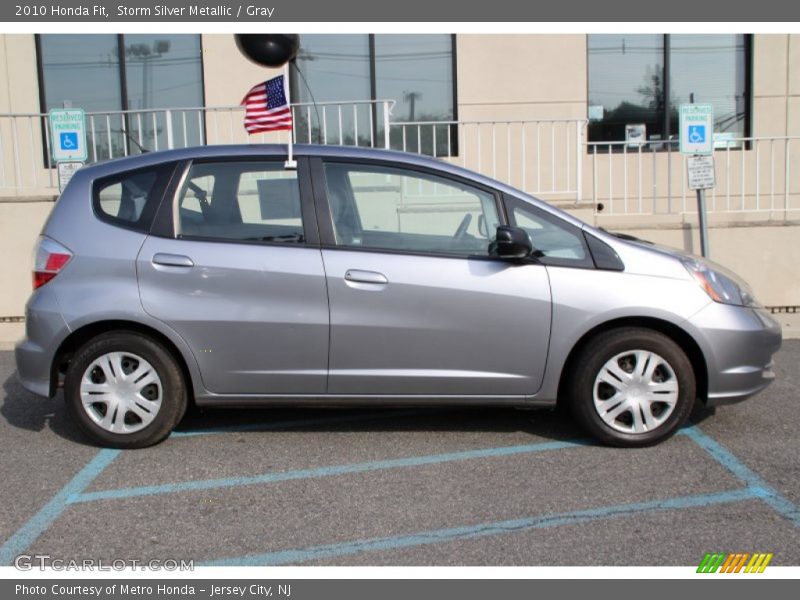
(302, 150)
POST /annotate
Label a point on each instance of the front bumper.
(738, 344)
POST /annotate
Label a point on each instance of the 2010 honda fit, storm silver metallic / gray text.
(217, 276)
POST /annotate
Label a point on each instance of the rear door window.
(130, 199)
(250, 201)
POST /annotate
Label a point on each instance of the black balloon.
(269, 50)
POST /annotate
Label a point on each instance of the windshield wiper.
(626, 236)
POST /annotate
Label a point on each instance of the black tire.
(603, 348)
(173, 390)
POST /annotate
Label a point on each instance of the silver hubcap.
(635, 391)
(121, 392)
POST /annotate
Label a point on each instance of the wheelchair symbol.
(69, 140)
(697, 134)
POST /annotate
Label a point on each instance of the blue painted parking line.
(723, 456)
(34, 527)
(329, 471)
(480, 530)
(314, 422)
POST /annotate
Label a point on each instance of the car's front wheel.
(631, 387)
(125, 390)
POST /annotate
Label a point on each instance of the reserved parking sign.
(68, 134)
(697, 128)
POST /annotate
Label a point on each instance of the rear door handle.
(357, 276)
(172, 260)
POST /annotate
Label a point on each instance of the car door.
(416, 304)
(239, 275)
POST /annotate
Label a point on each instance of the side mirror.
(511, 242)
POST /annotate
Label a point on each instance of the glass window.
(105, 74)
(639, 81)
(336, 68)
(80, 71)
(625, 84)
(83, 71)
(414, 70)
(131, 198)
(396, 209)
(163, 71)
(710, 69)
(554, 242)
(244, 201)
(417, 72)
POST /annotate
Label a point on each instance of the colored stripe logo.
(739, 562)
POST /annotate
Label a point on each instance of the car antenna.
(133, 139)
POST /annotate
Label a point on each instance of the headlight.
(720, 287)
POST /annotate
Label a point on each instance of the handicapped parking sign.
(696, 129)
(68, 140)
(68, 134)
(697, 134)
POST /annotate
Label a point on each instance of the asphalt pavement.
(404, 487)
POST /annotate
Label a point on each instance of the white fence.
(753, 175)
(542, 157)
(25, 145)
(550, 158)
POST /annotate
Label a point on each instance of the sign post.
(697, 143)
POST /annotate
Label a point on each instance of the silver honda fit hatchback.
(218, 276)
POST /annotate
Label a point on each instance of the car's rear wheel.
(125, 390)
(631, 387)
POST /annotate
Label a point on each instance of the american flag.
(267, 108)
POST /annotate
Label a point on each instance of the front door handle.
(172, 260)
(358, 276)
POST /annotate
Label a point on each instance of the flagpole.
(290, 162)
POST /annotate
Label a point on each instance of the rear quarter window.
(130, 199)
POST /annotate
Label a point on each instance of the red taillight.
(50, 257)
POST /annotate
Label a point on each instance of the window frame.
(666, 144)
(325, 215)
(165, 225)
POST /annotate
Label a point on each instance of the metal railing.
(542, 157)
(25, 145)
(753, 175)
(549, 158)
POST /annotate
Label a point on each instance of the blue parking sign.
(697, 134)
(68, 140)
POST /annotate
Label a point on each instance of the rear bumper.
(738, 344)
(45, 329)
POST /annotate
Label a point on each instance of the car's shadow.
(27, 411)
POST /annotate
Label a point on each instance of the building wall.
(521, 76)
